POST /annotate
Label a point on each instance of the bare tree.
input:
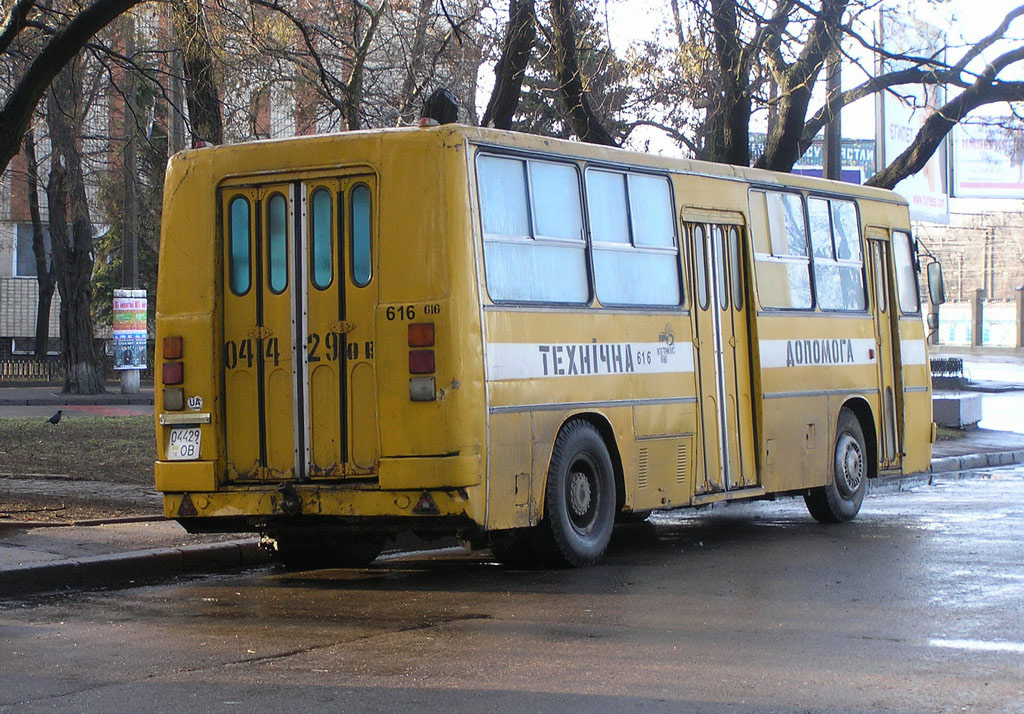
(509, 71)
(62, 44)
(71, 238)
(45, 276)
(585, 122)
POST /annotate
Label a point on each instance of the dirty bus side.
(466, 332)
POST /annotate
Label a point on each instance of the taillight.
(421, 361)
(173, 372)
(421, 334)
(173, 347)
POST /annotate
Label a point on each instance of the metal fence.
(30, 370)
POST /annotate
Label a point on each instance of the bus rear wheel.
(579, 499)
(840, 499)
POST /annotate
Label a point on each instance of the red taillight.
(421, 334)
(421, 361)
(173, 347)
(173, 372)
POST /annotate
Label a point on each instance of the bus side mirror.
(933, 321)
(936, 285)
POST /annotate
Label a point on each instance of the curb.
(134, 567)
(948, 467)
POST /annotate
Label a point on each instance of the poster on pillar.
(130, 309)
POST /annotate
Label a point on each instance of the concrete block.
(945, 463)
(40, 577)
(974, 461)
(956, 411)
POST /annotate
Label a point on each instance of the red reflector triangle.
(187, 508)
(425, 505)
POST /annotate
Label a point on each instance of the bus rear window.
(240, 266)
(362, 235)
(277, 243)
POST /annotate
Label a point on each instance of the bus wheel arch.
(862, 410)
(581, 494)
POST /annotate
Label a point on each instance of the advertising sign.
(130, 309)
(989, 160)
(904, 112)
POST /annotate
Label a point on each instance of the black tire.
(840, 499)
(306, 551)
(579, 499)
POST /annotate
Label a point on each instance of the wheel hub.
(579, 493)
(849, 465)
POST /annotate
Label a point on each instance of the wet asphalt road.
(917, 606)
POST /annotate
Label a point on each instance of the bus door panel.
(723, 359)
(339, 418)
(242, 416)
(709, 461)
(890, 381)
(258, 321)
(740, 362)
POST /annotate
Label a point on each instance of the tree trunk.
(411, 89)
(44, 266)
(585, 123)
(783, 146)
(520, 34)
(729, 123)
(201, 91)
(72, 246)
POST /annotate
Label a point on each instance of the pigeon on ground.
(56, 417)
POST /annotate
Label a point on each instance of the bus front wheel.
(840, 499)
(579, 499)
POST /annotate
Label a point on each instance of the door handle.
(342, 327)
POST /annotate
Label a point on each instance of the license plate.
(184, 445)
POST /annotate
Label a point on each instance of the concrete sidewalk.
(37, 557)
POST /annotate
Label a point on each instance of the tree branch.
(60, 49)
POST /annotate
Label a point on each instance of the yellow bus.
(517, 340)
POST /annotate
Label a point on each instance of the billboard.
(989, 159)
(905, 110)
(857, 157)
(130, 309)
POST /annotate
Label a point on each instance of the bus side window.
(838, 265)
(532, 215)
(782, 261)
(636, 259)
(240, 261)
(906, 276)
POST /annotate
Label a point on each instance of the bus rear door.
(299, 301)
